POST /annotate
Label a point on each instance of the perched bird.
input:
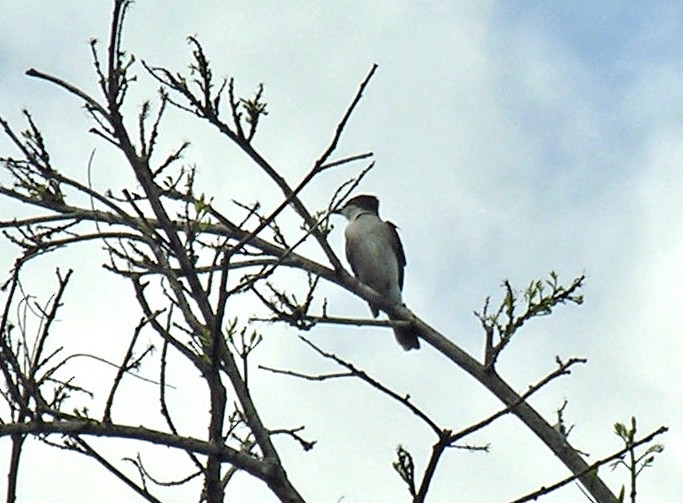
(376, 255)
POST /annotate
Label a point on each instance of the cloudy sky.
(510, 139)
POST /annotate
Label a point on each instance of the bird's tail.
(406, 337)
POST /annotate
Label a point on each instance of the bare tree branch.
(590, 470)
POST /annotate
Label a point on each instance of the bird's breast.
(372, 257)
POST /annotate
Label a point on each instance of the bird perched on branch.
(376, 256)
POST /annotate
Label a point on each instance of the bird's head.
(359, 204)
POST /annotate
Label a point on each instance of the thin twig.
(403, 400)
(125, 367)
(32, 72)
(563, 369)
(592, 468)
(90, 452)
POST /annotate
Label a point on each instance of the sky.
(510, 139)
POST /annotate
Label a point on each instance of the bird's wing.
(398, 250)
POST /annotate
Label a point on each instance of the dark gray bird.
(376, 255)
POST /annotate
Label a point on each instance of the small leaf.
(620, 498)
(405, 468)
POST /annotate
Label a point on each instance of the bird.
(376, 256)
